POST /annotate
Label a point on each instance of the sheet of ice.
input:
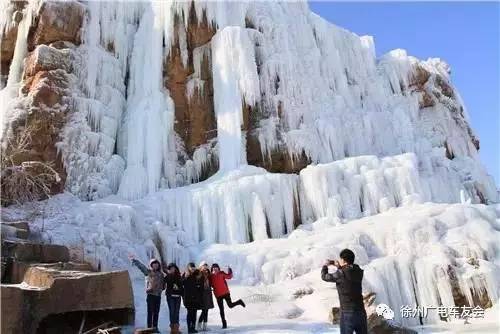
(148, 122)
(88, 147)
(237, 207)
(9, 112)
(367, 185)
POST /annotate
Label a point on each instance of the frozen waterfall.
(235, 83)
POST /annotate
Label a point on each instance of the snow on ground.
(402, 249)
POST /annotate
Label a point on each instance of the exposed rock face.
(278, 161)
(192, 89)
(57, 21)
(47, 58)
(46, 89)
(479, 297)
(433, 89)
(192, 92)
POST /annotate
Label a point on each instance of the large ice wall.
(249, 204)
(318, 90)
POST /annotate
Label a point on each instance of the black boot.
(224, 324)
(242, 303)
(192, 328)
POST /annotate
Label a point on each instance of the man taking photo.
(348, 278)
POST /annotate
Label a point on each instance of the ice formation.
(378, 134)
(9, 90)
(316, 89)
(235, 82)
(422, 254)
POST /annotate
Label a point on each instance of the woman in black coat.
(207, 299)
(193, 295)
(174, 292)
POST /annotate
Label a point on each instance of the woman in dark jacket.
(174, 291)
(193, 292)
(207, 300)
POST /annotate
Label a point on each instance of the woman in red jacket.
(221, 290)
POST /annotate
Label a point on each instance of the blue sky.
(464, 34)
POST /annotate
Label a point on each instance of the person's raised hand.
(131, 257)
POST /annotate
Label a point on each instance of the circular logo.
(385, 311)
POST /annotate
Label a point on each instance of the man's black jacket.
(348, 280)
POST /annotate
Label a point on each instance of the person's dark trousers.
(174, 306)
(203, 316)
(230, 303)
(153, 303)
(191, 320)
(353, 322)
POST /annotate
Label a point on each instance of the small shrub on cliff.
(24, 181)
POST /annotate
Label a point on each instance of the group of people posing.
(194, 288)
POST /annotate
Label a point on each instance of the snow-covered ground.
(403, 248)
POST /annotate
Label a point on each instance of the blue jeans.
(353, 322)
(174, 305)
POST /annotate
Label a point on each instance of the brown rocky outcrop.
(439, 91)
(195, 121)
(46, 88)
(479, 297)
(57, 21)
(34, 136)
(195, 118)
(47, 58)
(279, 160)
(417, 82)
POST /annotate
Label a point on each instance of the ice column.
(149, 114)
(235, 81)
